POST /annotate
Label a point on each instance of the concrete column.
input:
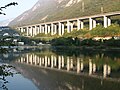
(55, 29)
(71, 26)
(35, 30)
(21, 30)
(22, 60)
(94, 68)
(59, 62)
(52, 29)
(43, 29)
(46, 61)
(35, 59)
(90, 67)
(109, 21)
(63, 28)
(78, 65)
(49, 29)
(68, 64)
(78, 24)
(105, 71)
(40, 29)
(52, 62)
(27, 58)
(71, 63)
(105, 21)
(59, 32)
(94, 23)
(27, 31)
(68, 26)
(40, 62)
(109, 70)
(31, 59)
(90, 24)
(63, 61)
(43, 61)
(82, 24)
(31, 32)
(55, 61)
(46, 29)
(81, 65)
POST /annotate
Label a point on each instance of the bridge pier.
(92, 23)
(21, 30)
(80, 24)
(40, 29)
(68, 26)
(27, 31)
(30, 31)
(46, 29)
(60, 29)
(52, 62)
(107, 21)
(55, 27)
(52, 29)
(106, 70)
(49, 28)
(68, 64)
(63, 27)
(59, 62)
(37, 29)
(34, 31)
(78, 65)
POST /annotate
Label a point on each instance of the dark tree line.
(4, 7)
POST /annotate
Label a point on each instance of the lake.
(63, 69)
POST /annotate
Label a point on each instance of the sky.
(14, 11)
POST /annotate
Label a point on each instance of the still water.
(63, 69)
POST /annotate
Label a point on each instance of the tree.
(4, 7)
(6, 70)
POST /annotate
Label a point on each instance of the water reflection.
(70, 64)
(53, 70)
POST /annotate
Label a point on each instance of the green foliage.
(112, 43)
(113, 30)
(5, 70)
(62, 41)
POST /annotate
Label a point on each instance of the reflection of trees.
(5, 70)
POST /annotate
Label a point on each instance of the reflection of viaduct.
(59, 27)
(63, 63)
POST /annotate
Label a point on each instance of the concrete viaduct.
(59, 27)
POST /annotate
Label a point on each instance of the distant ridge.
(5, 22)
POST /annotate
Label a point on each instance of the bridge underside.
(59, 27)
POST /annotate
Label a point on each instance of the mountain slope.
(51, 10)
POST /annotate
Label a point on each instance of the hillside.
(51, 10)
